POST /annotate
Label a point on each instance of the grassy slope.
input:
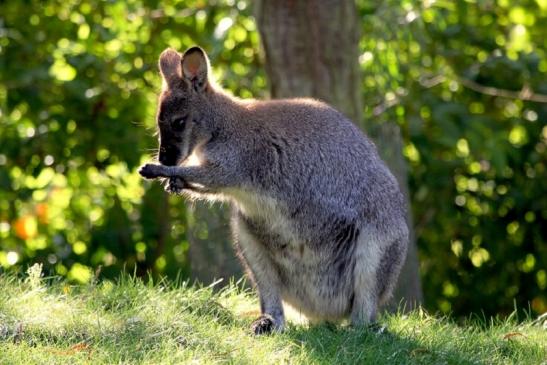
(131, 322)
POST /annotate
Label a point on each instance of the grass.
(131, 322)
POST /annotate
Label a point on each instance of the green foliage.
(132, 322)
(78, 86)
(77, 102)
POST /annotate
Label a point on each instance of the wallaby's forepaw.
(265, 324)
(151, 171)
(175, 185)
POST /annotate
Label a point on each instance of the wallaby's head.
(181, 117)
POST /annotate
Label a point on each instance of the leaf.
(512, 335)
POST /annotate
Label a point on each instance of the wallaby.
(318, 219)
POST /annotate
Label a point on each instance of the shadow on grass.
(328, 344)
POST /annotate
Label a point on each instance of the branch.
(525, 94)
(389, 103)
(160, 13)
(384, 106)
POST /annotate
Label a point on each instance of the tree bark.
(211, 253)
(389, 142)
(312, 49)
(156, 223)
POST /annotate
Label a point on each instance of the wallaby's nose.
(168, 156)
(167, 160)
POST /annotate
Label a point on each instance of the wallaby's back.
(306, 152)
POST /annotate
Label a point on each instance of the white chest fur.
(268, 210)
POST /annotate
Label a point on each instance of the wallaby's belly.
(309, 282)
(310, 285)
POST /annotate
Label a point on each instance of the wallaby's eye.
(178, 123)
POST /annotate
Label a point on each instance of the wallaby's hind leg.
(390, 267)
(365, 299)
(376, 271)
(266, 279)
(365, 295)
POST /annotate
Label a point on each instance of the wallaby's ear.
(170, 67)
(195, 68)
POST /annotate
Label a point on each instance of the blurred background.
(454, 93)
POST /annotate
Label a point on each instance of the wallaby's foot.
(377, 328)
(265, 324)
(152, 171)
(175, 185)
(374, 327)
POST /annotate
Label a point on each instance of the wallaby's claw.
(151, 171)
(175, 185)
(263, 325)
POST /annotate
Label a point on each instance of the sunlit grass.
(165, 323)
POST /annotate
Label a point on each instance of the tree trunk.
(211, 253)
(156, 223)
(390, 145)
(312, 49)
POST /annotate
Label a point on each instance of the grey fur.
(318, 219)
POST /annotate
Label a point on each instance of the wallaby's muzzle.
(169, 155)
